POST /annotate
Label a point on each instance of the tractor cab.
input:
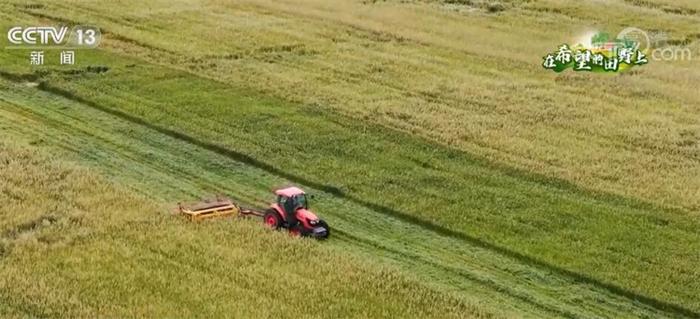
(291, 199)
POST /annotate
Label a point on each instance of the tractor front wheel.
(272, 219)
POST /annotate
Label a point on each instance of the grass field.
(98, 250)
(440, 150)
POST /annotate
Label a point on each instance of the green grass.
(466, 79)
(98, 250)
(509, 187)
(471, 240)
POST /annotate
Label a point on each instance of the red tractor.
(291, 211)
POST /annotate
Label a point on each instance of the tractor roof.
(289, 191)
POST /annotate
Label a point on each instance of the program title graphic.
(600, 52)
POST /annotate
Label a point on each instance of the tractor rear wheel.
(272, 219)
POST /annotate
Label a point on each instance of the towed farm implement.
(290, 211)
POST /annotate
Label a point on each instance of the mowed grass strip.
(595, 235)
(97, 250)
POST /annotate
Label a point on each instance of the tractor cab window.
(290, 204)
(300, 201)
